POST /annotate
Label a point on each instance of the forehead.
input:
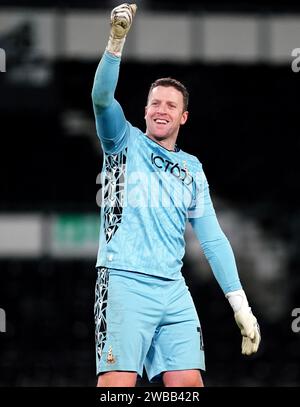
(166, 93)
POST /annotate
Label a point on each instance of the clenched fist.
(120, 21)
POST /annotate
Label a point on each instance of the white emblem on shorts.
(110, 357)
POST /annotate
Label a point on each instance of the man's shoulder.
(133, 128)
(134, 132)
(192, 159)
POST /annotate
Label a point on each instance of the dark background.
(243, 127)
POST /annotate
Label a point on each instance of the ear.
(146, 110)
(184, 117)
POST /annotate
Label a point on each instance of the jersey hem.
(149, 272)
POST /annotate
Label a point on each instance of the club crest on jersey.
(185, 167)
(110, 357)
(181, 173)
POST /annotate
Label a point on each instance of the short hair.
(166, 82)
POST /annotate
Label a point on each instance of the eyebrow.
(168, 101)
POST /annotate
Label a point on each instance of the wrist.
(115, 45)
(238, 300)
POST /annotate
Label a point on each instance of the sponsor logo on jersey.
(175, 169)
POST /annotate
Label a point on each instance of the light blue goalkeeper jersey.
(148, 194)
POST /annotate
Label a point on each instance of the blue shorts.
(143, 320)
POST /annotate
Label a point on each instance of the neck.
(167, 143)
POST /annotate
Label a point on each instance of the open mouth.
(161, 121)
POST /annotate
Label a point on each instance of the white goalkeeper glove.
(120, 22)
(245, 320)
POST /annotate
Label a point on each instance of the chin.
(160, 136)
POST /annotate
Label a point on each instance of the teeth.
(161, 121)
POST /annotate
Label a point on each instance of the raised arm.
(110, 119)
(219, 254)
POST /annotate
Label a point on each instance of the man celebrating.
(144, 312)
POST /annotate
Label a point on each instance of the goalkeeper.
(144, 313)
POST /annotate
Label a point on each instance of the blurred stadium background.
(235, 58)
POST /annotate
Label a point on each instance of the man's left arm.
(220, 256)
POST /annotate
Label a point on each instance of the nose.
(162, 108)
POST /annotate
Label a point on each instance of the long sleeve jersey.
(148, 194)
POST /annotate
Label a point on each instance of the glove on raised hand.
(120, 21)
